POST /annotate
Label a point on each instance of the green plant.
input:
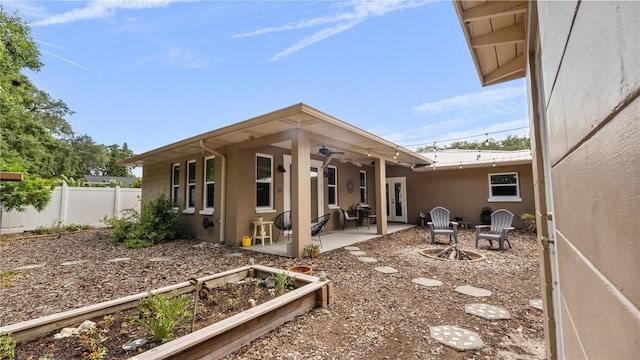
(91, 341)
(160, 314)
(7, 346)
(312, 249)
(6, 277)
(282, 281)
(531, 220)
(156, 222)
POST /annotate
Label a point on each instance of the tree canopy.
(510, 143)
(35, 137)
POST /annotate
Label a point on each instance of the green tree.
(17, 51)
(510, 143)
(116, 154)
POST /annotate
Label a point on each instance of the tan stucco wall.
(464, 192)
(590, 56)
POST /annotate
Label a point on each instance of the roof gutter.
(223, 185)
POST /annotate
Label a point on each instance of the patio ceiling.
(496, 36)
(277, 128)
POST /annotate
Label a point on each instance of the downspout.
(223, 185)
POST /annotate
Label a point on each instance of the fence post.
(64, 194)
(116, 203)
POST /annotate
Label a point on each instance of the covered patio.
(331, 239)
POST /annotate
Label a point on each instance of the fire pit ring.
(431, 253)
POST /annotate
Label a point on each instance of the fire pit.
(452, 253)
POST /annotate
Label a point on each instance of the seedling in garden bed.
(282, 281)
(160, 314)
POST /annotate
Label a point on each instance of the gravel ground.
(375, 315)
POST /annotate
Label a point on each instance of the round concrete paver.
(536, 304)
(426, 282)
(473, 291)
(77, 262)
(358, 253)
(29, 267)
(119, 259)
(456, 337)
(351, 248)
(487, 311)
(367, 259)
(386, 270)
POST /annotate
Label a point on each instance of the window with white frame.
(332, 188)
(190, 202)
(363, 187)
(504, 187)
(209, 185)
(264, 182)
(175, 182)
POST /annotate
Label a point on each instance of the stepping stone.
(29, 267)
(426, 282)
(78, 262)
(386, 270)
(536, 304)
(473, 291)
(119, 260)
(456, 337)
(358, 253)
(351, 248)
(487, 311)
(367, 259)
(162, 258)
(230, 255)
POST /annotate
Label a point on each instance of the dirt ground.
(375, 315)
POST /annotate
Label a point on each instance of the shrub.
(156, 222)
(160, 314)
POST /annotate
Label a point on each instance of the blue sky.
(150, 73)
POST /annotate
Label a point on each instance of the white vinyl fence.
(74, 205)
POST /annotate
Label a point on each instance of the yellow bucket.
(246, 241)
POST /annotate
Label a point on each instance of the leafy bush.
(7, 347)
(531, 220)
(160, 314)
(156, 222)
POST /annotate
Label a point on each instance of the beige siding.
(464, 192)
(591, 81)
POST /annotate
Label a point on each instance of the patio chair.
(441, 225)
(369, 215)
(500, 225)
(318, 225)
(350, 215)
(283, 223)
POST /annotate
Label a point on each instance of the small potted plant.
(313, 250)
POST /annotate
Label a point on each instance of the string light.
(369, 153)
(486, 141)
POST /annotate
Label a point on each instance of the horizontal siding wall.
(74, 205)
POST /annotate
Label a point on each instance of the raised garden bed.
(212, 341)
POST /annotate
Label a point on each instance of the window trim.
(363, 188)
(188, 209)
(509, 198)
(268, 208)
(334, 186)
(175, 186)
(207, 210)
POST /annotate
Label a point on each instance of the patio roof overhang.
(275, 129)
(496, 36)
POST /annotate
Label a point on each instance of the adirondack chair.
(500, 225)
(441, 225)
(318, 225)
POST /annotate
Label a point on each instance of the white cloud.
(101, 9)
(489, 100)
(359, 11)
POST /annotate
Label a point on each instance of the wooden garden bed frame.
(211, 342)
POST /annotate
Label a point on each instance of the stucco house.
(301, 159)
(581, 60)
